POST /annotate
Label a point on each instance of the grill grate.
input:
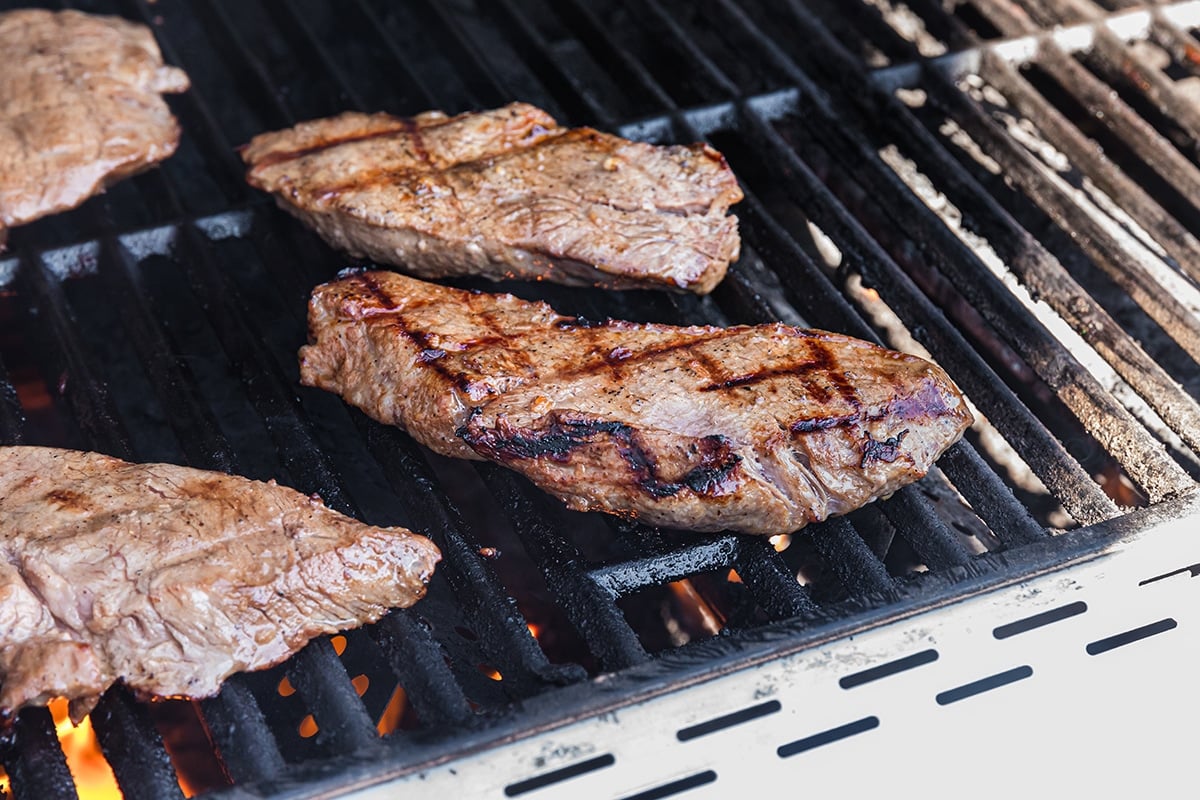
(160, 322)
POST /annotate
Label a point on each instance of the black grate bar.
(1182, 247)
(247, 749)
(589, 606)
(774, 585)
(598, 32)
(227, 38)
(1142, 457)
(343, 725)
(487, 87)
(845, 552)
(411, 78)
(289, 17)
(1155, 86)
(916, 521)
(1061, 292)
(1082, 498)
(12, 418)
(1105, 419)
(34, 759)
(655, 569)
(265, 386)
(65, 361)
(1105, 251)
(430, 686)
(133, 748)
(1106, 107)
(203, 443)
(1062, 474)
(486, 606)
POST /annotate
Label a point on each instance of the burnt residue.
(556, 442)
(814, 424)
(887, 450)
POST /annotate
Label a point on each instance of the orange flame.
(94, 778)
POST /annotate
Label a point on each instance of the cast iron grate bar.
(589, 605)
(1151, 382)
(34, 760)
(12, 419)
(487, 607)
(1110, 423)
(1182, 247)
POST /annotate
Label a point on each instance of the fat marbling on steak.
(506, 193)
(755, 429)
(170, 579)
(80, 108)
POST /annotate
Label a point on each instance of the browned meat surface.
(80, 108)
(171, 579)
(506, 193)
(756, 429)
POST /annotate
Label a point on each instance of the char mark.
(887, 450)
(556, 442)
(813, 424)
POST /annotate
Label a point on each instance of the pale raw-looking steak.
(756, 429)
(171, 579)
(80, 108)
(506, 193)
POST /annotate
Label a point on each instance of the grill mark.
(886, 451)
(814, 424)
(557, 441)
(421, 339)
(276, 157)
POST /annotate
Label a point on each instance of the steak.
(506, 193)
(755, 429)
(80, 108)
(171, 579)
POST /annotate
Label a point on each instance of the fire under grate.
(1010, 188)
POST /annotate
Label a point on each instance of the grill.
(1009, 187)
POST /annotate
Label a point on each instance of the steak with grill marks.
(756, 429)
(506, 193)
(170, 579)
(80, 108)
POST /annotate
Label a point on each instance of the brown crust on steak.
(506, 193)
(80, 108)
(757, 429)
(170, 579)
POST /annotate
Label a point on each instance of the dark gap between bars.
(559, 775)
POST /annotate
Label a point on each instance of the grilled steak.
(80, 108)
(171, 579)
(506, 194)
(756, 429)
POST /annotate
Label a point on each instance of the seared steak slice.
(506, 194)
(756, 429)
(171, 579)
(80, 108)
